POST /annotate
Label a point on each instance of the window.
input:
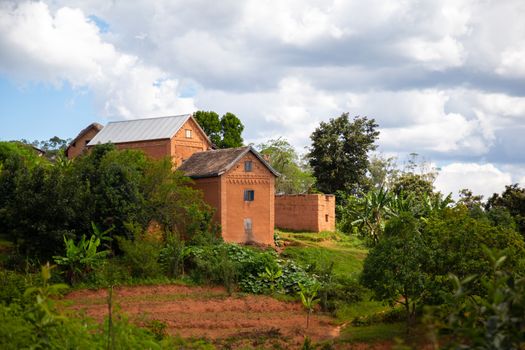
(249, 195)
(248, 166)
(188, 133)
(326, 218)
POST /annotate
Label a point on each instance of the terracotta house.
(239, 183)
(79, 143)
(177, 136)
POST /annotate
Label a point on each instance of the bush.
(391, 316)
(13, 286)
(141, 256)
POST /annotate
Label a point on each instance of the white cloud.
(513, 61)
(440, 54)
(440, 77)
(484, 179)
(65, 46)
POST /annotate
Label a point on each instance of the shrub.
(81, 258)
(141, 256)
(13, 286)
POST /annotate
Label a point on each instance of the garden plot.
(208, 312)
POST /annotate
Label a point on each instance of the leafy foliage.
(41, 202)
(225, 132)
(309, 299)
(295, 176)
(394, 267)
(512, 199)
(339, 153)
(81, 258)
(495, 320)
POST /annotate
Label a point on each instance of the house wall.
(155, 149)
(235, 209)
(305, 212)
(78, 147)
(182, 148)
(211, 189)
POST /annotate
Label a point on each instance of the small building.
(305, 212)
(79, 143)
(239, 183)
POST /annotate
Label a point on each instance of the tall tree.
(512, 199)
(232, 129)
(211, 124)
(339, 152)
(224, 132)
(295, 178)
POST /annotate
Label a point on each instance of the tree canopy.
(339, 153)
(41, 202)
(224, 132)
(295, 176)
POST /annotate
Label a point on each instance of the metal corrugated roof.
(140, 130)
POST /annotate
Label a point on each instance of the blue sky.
(444, 79)
(37, 111)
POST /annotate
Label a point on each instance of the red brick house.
(177, 136)
(237, 182)
(79, 143)
(240, 184)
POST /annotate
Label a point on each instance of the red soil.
(210, 313)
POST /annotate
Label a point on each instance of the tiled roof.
(217, 162)
(140, 130)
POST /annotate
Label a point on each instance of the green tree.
(295, 178)
(494, 321)
(211, 124)
(382, 172)
(224, 132)
(456, 241)
(41, 202)
(512, 199)
(393, 268)
(339, 153)
(232, 129)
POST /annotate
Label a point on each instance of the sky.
(443, 79)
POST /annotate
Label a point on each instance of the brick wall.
(260, 211)
(155, 149)
(80, 144)
(305, 212)
(183, 147)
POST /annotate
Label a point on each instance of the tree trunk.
(407, 311)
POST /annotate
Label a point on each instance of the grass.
(320, 249)
(348, 312)
(373, 333)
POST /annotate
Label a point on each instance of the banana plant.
(309, 299)
(81, 258)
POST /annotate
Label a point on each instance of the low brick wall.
(305, 212)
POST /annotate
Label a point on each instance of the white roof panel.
(139, 130)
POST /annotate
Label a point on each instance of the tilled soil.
(208, 312)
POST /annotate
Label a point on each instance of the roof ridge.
(137, 119)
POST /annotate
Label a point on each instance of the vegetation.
(224, 132)
(406, 257)
(295, 177)
(339, 153)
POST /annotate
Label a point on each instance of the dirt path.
(211, 313)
